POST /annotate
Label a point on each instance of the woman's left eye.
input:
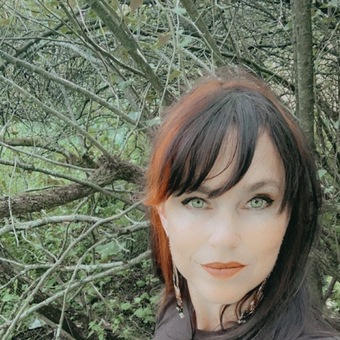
(259, 203)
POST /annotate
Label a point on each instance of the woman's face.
(226, 246)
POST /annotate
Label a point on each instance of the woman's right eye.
(194, 202)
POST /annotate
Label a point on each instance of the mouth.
(223, 270)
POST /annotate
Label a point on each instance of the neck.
(208, 319)
(208, 314)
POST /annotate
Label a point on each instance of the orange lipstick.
(223, 270)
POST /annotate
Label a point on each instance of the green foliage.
(130, 303)
(75, 136)
(97, 330)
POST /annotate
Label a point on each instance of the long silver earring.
(179, 301)
(257, 297)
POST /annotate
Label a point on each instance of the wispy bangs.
(234, 118)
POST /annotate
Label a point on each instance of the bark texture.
(109, 171)
(304, 65)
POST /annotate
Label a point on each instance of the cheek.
(181, 225)
(181, 234)
(267, 240)
(185, 237)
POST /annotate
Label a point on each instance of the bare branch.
(17, 142)
(106, 174)
(202, 28)
(68, 84)
(121, 32)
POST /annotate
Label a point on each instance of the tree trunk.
(304, 77)
(304, 65)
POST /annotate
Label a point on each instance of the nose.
(225, 231)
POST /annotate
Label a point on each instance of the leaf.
(107, 250)
(7, 297)
(139, 313)
(174, 74)
(140, 283)
(3, 184)
(154, 121)
(125, 306)
(186, 41)
(145, 314)
(179, 10)
(115, 4)
(321, 173)
(64, 29)
(163, 39)
(154, 299)
(145, 296)
(134, 115)
(135, 4)
(4, 22)
(120, 135)
(36, 323)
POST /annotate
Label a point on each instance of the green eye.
(259, 203)
(197, 203)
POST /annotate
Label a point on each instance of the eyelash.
(264, 197)
(190, 199)
(269, 201)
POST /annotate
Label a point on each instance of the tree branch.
(34, 142)
(109, 171)
(78, 284)
(330, 289)
(122, 33)
(71, 158)
(68, 84)
(51, 313)
(202, 28)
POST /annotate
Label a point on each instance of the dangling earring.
(179, 301)
(257, 297)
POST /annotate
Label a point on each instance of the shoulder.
(170, 326)
(319, 337)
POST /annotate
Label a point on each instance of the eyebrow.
(203, 189)
(258, 185)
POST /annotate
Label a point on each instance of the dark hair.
(185, 150)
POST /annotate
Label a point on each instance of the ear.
(162, 216)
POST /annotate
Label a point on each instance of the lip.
(223, 270)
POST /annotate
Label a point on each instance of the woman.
(234, 201)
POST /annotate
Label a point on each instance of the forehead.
(266, 164)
